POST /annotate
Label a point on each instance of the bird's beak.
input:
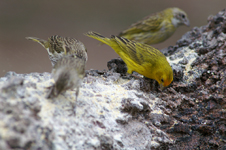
(161, 86)
(187, 22)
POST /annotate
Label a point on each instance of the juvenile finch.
(157, 27)
(58, 46)
(141, 58)
(68, 73)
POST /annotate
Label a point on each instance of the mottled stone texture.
(118, 111)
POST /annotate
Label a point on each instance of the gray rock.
(30, 121)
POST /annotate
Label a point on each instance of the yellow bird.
(157, 27)
(58, 47)
(141, 58)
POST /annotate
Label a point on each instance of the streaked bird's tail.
(38, 40)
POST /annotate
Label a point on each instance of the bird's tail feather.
(38, 40)
(99, 37)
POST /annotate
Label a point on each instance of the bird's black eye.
(183, 16)
(162, 80)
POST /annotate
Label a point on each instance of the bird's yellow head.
(164, 76)
(179, 17)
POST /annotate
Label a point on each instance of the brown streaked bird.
(157, 27)
(58, 46)
(68, 73)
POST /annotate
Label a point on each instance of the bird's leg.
(130, 76)
(136, 76)
(127, 76)
(147, 84)
(76, 97)
(76, 93)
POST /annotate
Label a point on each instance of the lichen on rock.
(118, 112)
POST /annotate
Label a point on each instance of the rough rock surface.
(118, 112)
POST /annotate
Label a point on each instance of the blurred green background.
(42, 19)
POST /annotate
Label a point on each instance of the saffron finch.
(58, 46)
(142, 58)
(68, 73)
(157, 27)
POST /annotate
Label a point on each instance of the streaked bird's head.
(179, 17)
